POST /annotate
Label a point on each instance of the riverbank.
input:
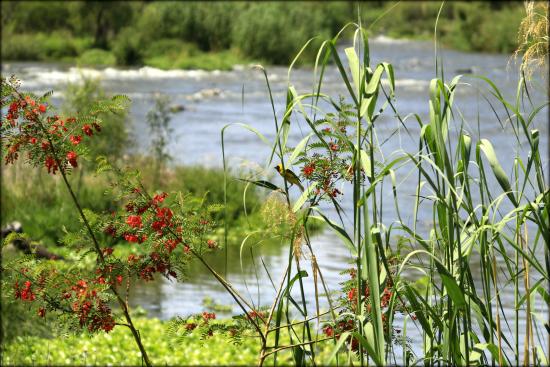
(180, 36)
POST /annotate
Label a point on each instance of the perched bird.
(289, 175)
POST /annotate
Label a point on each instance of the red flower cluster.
(159, 198)
(257, 314)
(308, 170)
(87, 129)
(134, 221)
(206, 316)
(24, 294)
(28, 116)
(26, 106)
(71, 157)
(91, 310)
(75, 140)
(341, 327)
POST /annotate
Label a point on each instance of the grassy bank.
(172, 35)
(117, 348)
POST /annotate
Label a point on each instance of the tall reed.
(487, 224)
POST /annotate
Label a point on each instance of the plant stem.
(97, 248)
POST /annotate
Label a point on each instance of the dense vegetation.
(219, 35)
(444, 278)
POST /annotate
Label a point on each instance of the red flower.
(132, 258)
(110, 230)
(386, 296)
(170, 245)
(42, 108)
(159, 198)
(75, 139)
(333, 147)
(119, 279)
(41, 312)
(164, 214)
(328, 331)
(211, 244)
(351, 294)
(87, 130)
(107, 251)
(13, 107)
(190, 326)
(131, 237)
(208, 316)
(27, 294)
(308, 169)
(50, 164)
(71, 157)
(33, 140)
(158, 225)
(134, 221)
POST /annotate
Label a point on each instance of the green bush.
(277, 31)
(41, 204)
(36, 16)
(127, 48)
(39, 46)
(200, 181)
(96, 57)
(21, 47)
(57, 45)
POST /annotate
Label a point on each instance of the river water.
(215, 99)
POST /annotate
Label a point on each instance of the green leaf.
(303, 198)
(339, 231)
(355, 67)
(487, 148)
(374, 81)
(261, 183)
(338, 346)
(365, 163)
(453, 290)
(300, 148)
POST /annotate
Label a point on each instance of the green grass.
(117, 348)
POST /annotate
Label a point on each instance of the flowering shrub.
(167, 228)
(390, 304)
(32, 126)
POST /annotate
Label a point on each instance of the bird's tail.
(300, 186)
